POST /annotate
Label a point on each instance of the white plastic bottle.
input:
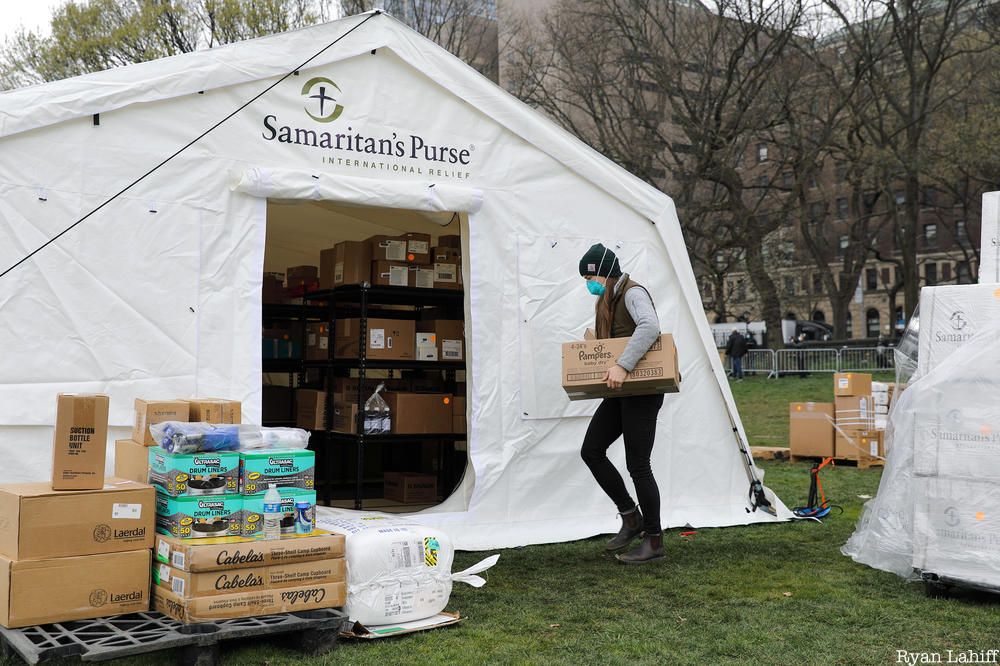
(272, 512)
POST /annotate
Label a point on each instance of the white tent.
(158, 294)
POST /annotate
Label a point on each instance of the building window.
(873, 323)
(649, 86)
(741, 290)
(900, 319)
(763, 220)
(787, 180)
(816, 209)
(930, 196)
(842, 208)
(930, 274)
(761, 181)
(790, 286)
(819, 316)
(961, 231)
(805, 285)
(871, 279)
(788, 251)
(761, 152)
(946, 271)
(962, 273)
(930, 235)
(850, 324)
(900, 197)
(842, 246)
(812, 180)
(841, 171)
(885, 276)
(817, 283)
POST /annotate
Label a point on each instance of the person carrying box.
(625, 309)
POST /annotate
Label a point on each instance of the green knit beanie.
(599, 260)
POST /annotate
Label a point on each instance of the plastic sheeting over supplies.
(937, 510)
(398, 570)
(158, 295)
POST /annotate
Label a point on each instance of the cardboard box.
(450, 337)
(446, 255)
(80, 441)
(37, 522)
(857, 412)
(446, 276)
(199, 517)
(861, 445)
(391, 274)
(584, 364)
(810, 428)
(420, 413)
(392, 339)
(249, 604)
(286, 468)
(273, 288)
(131, 461)
(345, 417)
(458, 414)
(225, 553)
(348, 262)
(418, 248)
(188, 585)
(345, 389)
(317, 342)
(388, 248)
(950, 316)
(421, 277)
(846, 384)
(297, 276)
(989, 248)
(148, 412)
(427, 347)
(453, 240)
(310, 409)
(194, 474)
(253, 510)
(214, 410)
(410, 488)
(73, 588)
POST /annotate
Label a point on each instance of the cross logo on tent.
(325, 100)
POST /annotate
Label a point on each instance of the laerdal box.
(249, 604)
(37, 522)
(220, 554)
(73, 588)
(80, 441)
(585, 362)
(213, 583)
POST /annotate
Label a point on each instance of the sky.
(32, 14)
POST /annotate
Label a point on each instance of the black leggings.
(635, 417)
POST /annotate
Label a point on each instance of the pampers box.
(253, 510)
(199, 517)
(194, 474)
(285, 468)
(950, 316)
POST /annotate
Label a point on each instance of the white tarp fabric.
(158, 294)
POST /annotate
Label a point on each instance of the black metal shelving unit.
(364, 301)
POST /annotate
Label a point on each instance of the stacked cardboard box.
(882, 393)
(407, 260)
(385, 339)
(292, 471)
(73, 555)
(854, 415)
(79, 443)
(225, 578)
(132, 455)
(301, 279)
(448, 337)
(810, 428)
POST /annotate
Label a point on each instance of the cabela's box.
(223, 553)
(585, 362)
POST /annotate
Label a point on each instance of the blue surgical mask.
(595, 287)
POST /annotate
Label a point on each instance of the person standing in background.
(736, 349)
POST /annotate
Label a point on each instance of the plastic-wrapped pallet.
(937, 508)
(398, 570)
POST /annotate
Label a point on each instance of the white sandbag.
(398, 571)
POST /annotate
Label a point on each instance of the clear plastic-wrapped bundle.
(181, 437)
(937, 511)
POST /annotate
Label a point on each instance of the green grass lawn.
(767, 594)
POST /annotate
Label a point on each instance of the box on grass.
(80, 441)
(810, 428)
(860, 445)
(847, 384)
(37, 522)
(249, 604)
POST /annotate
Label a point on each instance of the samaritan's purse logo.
(958, 320)
(316, 89)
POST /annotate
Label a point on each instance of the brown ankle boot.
(631, 528)
(649, 550)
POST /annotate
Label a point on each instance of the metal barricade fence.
(795, 361)
(866, 359)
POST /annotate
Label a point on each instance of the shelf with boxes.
(394, 310)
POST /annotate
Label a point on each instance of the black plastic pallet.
(138, 633)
